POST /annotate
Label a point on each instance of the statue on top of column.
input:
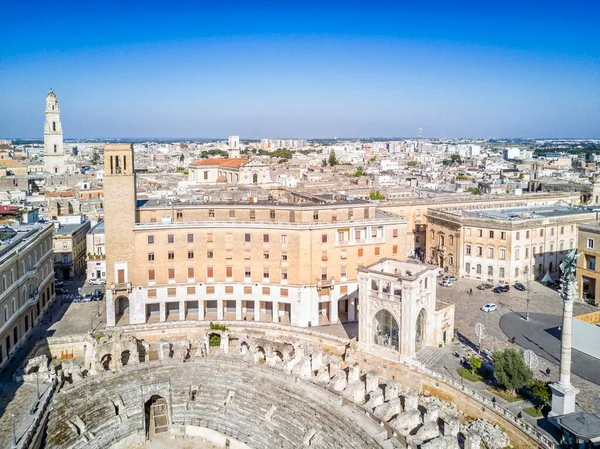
(568, 284)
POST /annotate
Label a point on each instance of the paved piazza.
(545, 312)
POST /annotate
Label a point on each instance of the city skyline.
(339, 70)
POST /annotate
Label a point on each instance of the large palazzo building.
(54, 151)
(259, 261)
(503, 243)
(26, 282)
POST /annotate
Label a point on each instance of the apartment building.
(26, 282)
(588, 271)
(506, 244)
(70, 246)
(96, 253)
(255, 261)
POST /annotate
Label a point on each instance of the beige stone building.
(265, 261)
(399, 311)
(588, 271)
(26, 282)
(503, 244)
(70, 246)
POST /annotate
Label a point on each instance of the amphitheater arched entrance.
(385, 330)
(125, 355)
(260, 355)
(122, 310)
(420, 330)
(105, 361)
(156, 411)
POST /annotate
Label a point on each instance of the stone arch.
(386, 330)
(156, 412)
(278, 354)
(125, 357)
(105, 361)
(260, 355)
(420, 329)
(244, 348)
(122, 305)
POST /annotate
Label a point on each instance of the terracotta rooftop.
(221, 162)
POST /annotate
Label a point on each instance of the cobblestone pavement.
(542, 301)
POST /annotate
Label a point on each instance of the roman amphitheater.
(249, 385)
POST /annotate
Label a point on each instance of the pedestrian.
(471, 291)
(520, 415)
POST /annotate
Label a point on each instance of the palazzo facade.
(261, 261)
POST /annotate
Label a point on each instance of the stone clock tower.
(54, 152)
(119, 218)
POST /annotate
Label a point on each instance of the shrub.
(214, 340)
(541, 390)
(218, 327)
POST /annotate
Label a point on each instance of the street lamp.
(14, 429)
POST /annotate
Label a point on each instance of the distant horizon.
(309, 139)
(306, 68)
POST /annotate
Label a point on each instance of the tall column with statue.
(563, 393)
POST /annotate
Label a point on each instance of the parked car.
(450, 278)
(502, 288)
(58, 283)
(484, 286)
(98, 295)
(62, 291)
(96, 281)
(519, 286)
(489, 307)
(78, 298)
(87, 297)
(446, 283)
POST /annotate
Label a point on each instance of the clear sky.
(302, 68)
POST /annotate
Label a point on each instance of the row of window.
(272, 213)
(210, 271)
(502, 251)
(210, 254)
(266, 238)
(210, 290)
(502, 234)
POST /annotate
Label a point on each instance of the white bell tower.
(54, 152)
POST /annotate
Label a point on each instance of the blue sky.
(302, 68)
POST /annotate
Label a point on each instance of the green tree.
(475, 364)
(454, 159)
(358, 173)
(332, 159)
(411, 164)
(181, 158)
(541, 390)
(95, 158)
(324, 162)
(376, 195)
(510, 370)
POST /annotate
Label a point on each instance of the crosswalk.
(430, 356)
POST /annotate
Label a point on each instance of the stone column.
(181, 310)
(219, 309)
(333, 307)
(257, 310)
(201, 309)
(563, 393)
(163, 311)
(275, 311)
(352, 309)
(238, 309)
